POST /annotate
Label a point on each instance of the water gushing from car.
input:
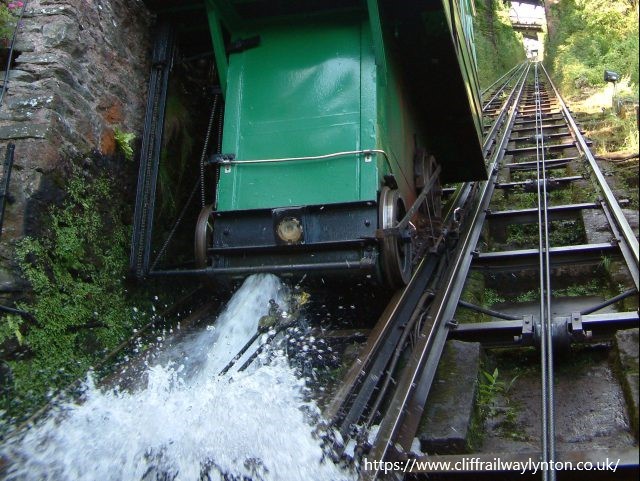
(187, 422)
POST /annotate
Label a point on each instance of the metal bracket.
(527, 330)
(222, 160)
(390, 181)
(577, 330)
(576, 325)
(452, 324)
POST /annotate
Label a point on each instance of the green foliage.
(177, 148)
(124, 140)
(7, 21)
(591, 36)
(10, 328)
(592, 288)
(76, 271)
(493, 402)
(491, 298)
(473, 293)
(605, 262)
(528, 296)
(611, 133)
(513, 200)
(498, 46)
(489, 388)
(561, 233)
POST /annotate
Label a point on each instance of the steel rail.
(500, 78)
(402, 306)
(418, 375)
(627, 234)
(503, 87)
(499, 122)
(162, 58)
(625, 249)
(365, 374)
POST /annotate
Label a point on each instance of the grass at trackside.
(614, 135)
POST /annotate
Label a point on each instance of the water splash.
(187, 423)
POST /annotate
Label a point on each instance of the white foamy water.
(187, 423)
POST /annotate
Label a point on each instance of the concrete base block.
(448, 415)
(627, 342)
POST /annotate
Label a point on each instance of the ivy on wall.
(79, 299)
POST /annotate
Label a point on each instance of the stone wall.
(81, 68)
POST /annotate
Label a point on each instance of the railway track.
(542, 180)
(493, 95)
(535, 152)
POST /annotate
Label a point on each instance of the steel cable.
(546, 347)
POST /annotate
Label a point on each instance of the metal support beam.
(530, 216)
(162, 60)
(527, 258)
(551, 182)
(574, 328)
(532, 165)
(547, 148)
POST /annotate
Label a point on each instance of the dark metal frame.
(162, 59)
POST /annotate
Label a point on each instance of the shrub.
(8, 12)
(79, 301)
(498, 46)
(591, 36)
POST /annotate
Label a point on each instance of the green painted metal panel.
(369, 177)
(300, 93)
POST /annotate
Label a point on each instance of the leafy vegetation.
(124, 140)
(8, 12)
(177, 149)
(491, 297)
(494, 402)
(592, 288)
(79, 302)
(590, 36)
(498, 46)
(475, 292)
(561, 233)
